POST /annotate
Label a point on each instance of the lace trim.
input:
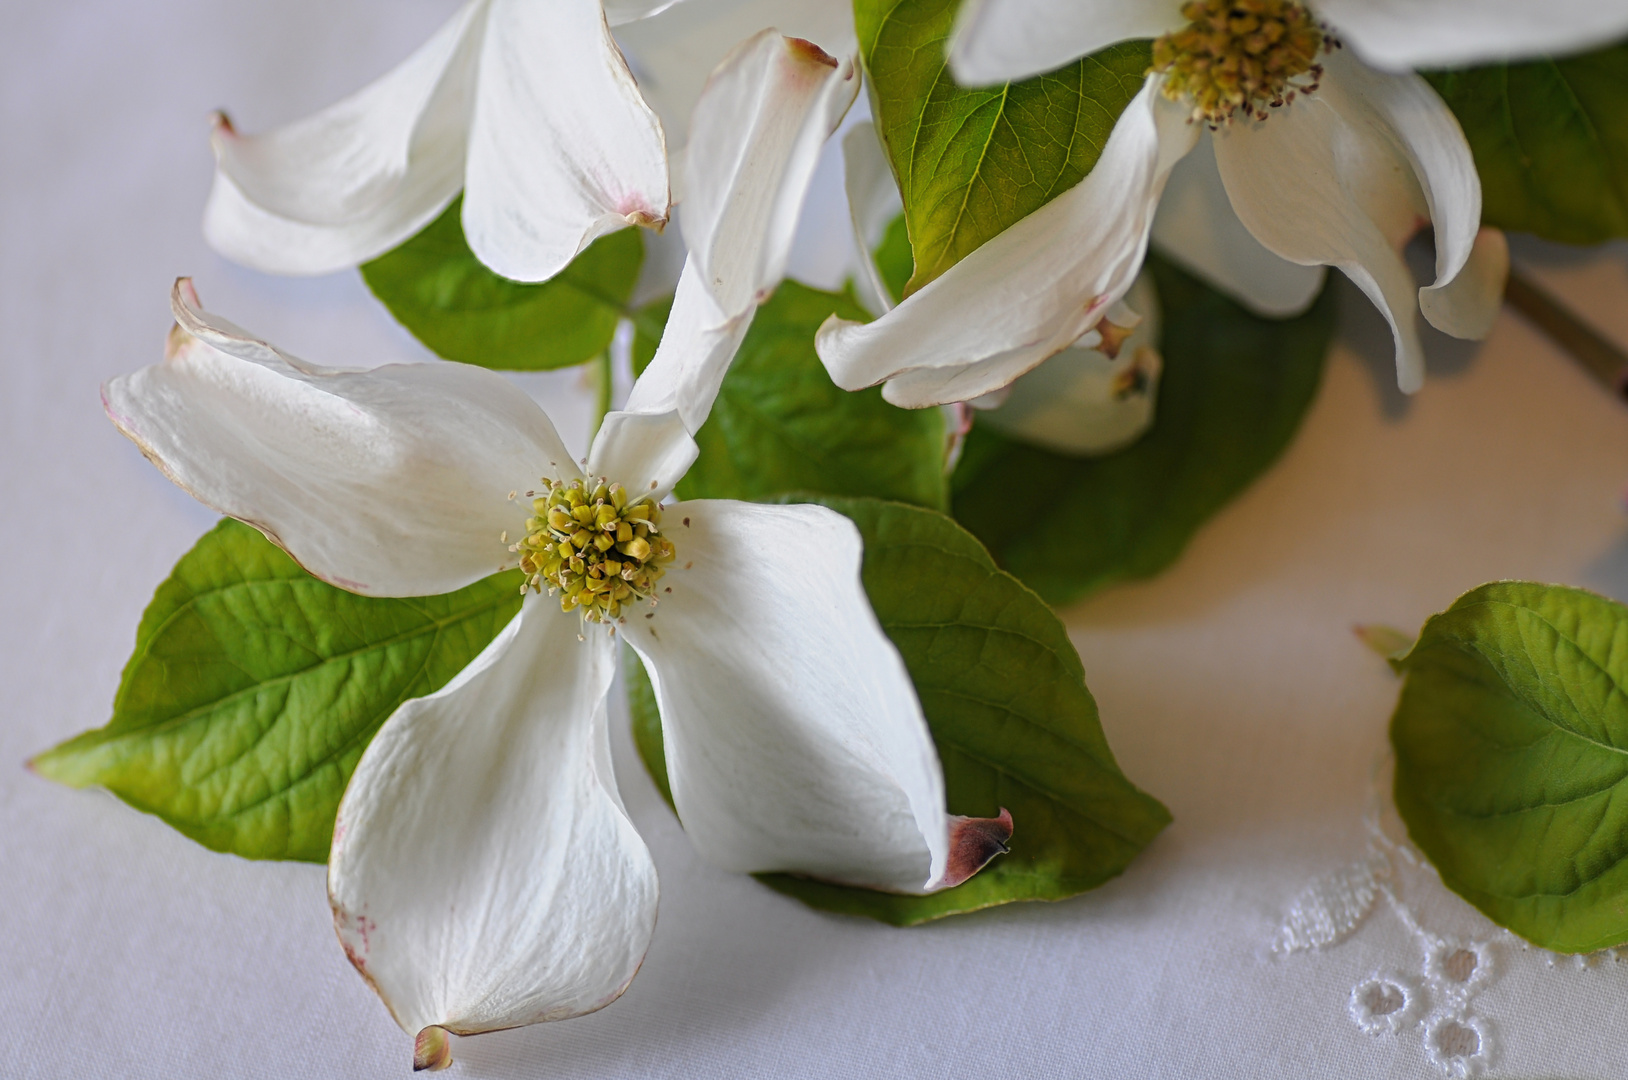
(1438, 1000)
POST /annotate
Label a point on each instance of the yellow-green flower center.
(600, 550)
(1240, 55)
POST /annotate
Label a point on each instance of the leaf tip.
(1386, 641)
(432, 1049)
(50, 765)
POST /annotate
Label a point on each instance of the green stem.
(1602, 359)
(602, 387)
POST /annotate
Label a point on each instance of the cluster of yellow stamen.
(1240, 55)
(599, 549)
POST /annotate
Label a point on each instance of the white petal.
(618, 12)
(873, 203)
(647, 453)
(1467, 306)
(694, 355)
(389, 482)
(1196, 227)
(484, 874)
(673, 53)
(1029, 292)
(757, 135)
(1083, 402)
(996, 41)
(355, 180)
(1403, 34)
(563, 148)
(1346, 176)
(754, 141)
(1405, 111)
(793, 735)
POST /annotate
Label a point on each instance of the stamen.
(1240, 55)
(601, 550)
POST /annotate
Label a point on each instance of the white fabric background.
(1231, 687)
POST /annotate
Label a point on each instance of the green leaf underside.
(780, 424)
(970, 162)
(1234, 391)
(1511, 739)
(1550, 139)
(1004, 693)
(449, 300)
(254, 689)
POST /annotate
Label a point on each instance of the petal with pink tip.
(563, 148)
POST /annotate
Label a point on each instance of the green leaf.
(254, 689)
(780, 424)
(1234, 390)
(971, 162)
(1005, 696)
(894, 260)
(1511, 741)
(449, 300)
(646, 718)
(1550, 139)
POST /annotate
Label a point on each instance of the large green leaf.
(1550, 139)
(1234, 390)
(1511, 741)
(254, 688)
(449, 300)
(1005, 695)
(780, 424)
(971, 162)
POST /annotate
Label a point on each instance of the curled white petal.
(756, 138)
(389, 482)
(1344, 177)
(1467, 306)
(873, 203)
(1029, 292)
(754, 141)
(358, 178)
(1197, 228)
(1400, 35)
(1405, 112)
(563, 148)
(793, 736)
(673, 52)
(484, 874)
(996, 41)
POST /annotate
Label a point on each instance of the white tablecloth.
(1231, 687)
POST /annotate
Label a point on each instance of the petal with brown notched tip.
(392, 481)
(357, 179)
(484, 874)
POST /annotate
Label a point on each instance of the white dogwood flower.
(1314, 158)
(484, 873)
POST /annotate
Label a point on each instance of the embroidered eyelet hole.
(1384, 1003)
(1457, 1044)
(1459, 965)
